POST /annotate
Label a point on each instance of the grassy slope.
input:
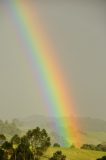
(76, 154)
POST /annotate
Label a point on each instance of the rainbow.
(40, 55)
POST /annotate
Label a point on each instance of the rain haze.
(77, 30)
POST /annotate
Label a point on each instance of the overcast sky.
(78, 31)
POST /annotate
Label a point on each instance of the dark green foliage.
(88, 146)
(103, 158)
(38, 138)
(58, 156)
(6, 145)
(39, 141)
(2, 139)
(56, 145)
(28, 147)
(7, 148)
(99, 147)
(2, 154)
(23, 152)
(15, 140)
(25, 142)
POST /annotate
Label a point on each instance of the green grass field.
(76, 154)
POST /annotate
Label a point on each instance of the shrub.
(103, 158)
(58, 156)
(56, 145)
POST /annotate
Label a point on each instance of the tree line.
(30, 146)
(99, 147)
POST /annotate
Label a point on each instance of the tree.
(23, 152)
(58, 156)
(56, 145)
(72, 146)
(2, 139)
(2, 154)
(8, 150)
(101, 147)
(15, 140)
(39, 141)
(88, 146)
(6, 145)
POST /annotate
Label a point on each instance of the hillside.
(92, 131)
(76, 154)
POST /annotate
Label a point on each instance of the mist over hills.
(87, 124)
(92, 130)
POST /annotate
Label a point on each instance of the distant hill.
(93, 125)
(92, 131)
(88, 124)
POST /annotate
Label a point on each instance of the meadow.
(75, 154)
